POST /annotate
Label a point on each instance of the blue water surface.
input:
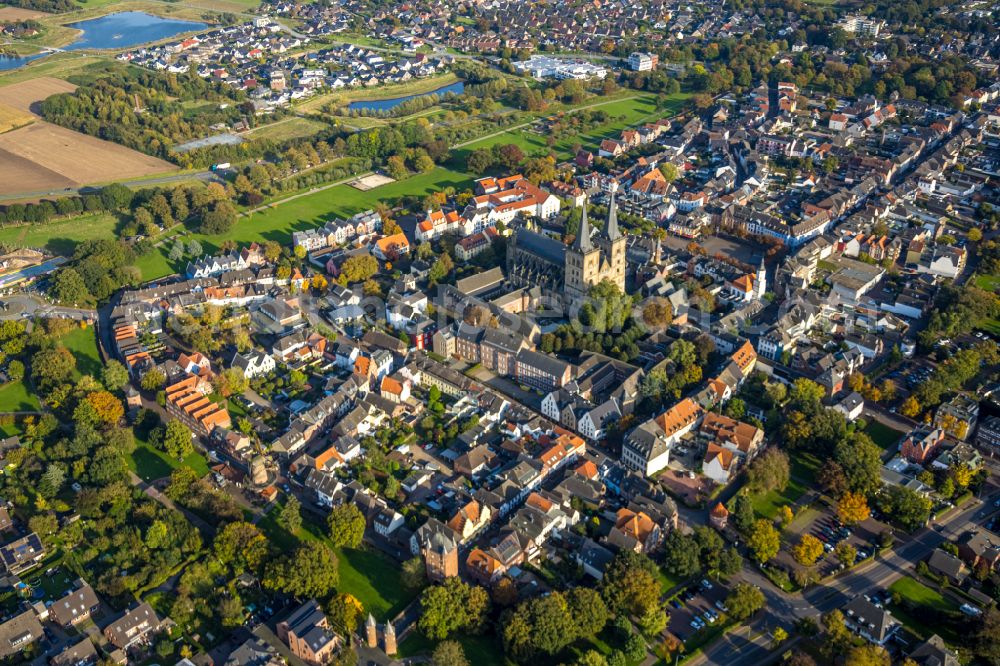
(13, 62)
(386, 104)
(124, 29)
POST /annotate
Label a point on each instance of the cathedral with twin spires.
(537, 260)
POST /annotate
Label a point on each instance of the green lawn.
(479, 650)
(150, 463)
(767, 505)
(623, 113)
(15, 397)
(803, 467)
(306, 212)
(918, 594)
(988, 282)
(61, 236)
(373, 578)
(82, 343)
(883, 435)
(291, 128)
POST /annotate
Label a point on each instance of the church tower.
(371, 631)
(390, 638)
(761, 284)
(583, 260)
(612, 244)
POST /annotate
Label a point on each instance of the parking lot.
(696, 608)
(822, 523)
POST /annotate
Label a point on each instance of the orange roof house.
(483, 567)
(730, 433)
(190, 406)
(390, 247)
(635, 530)
(680, 418)
(470, 519)
(718, 517)
(587, 470)
(745, 357)
(718, 463)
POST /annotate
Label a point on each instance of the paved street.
(782, 609)
(18, 306)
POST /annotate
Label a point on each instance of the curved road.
(746, 647)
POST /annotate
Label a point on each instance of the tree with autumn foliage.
(808, 550)
(853, 508)
(107, 407)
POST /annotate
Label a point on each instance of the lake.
(385, 104)
(13, 62)
(125, 29)
(114, 31)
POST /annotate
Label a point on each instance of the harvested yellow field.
(43, 158)
(19, 14)
(11, 118)
(27, 94)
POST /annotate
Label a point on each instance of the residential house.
(635, 531)
(136, 627)
(308, 634)
(958, 416)
(469, 519)
(874, 624)
(947, 565)
(719, 464)
(253, 363)
(81, 653)
(18, 632)
(921, 444)
(22, 553)
(933, 652)
(75, 607)
(979, 548)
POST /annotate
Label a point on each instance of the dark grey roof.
(82, 652)
(582, 241)
(610, 230)
(541, 246)
(933, 652)
(254, 652)
(543, 362)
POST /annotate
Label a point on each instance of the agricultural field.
(24, 96)
(19, 14)
(46, 158)
(12, 118)
(290, 128)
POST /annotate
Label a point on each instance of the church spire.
(611, 228)
(582, 241)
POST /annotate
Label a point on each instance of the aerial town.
(619, 333)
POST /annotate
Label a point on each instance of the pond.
(13, 62)
(125, 29)
(385, 104)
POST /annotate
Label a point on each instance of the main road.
(751, 646)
